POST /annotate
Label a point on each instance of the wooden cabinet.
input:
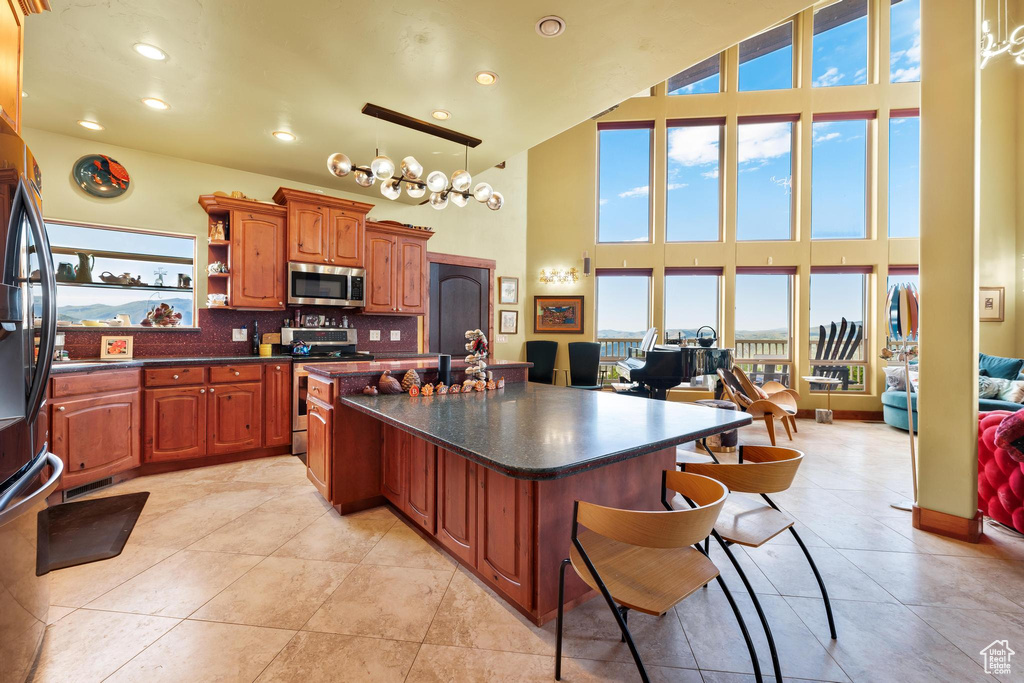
(175, 423)
(12, 38)
(456, 505)
(396, 269)
(277, 404)
(504, 529)
(234, 418)
(257, 261)
(320, 439)
(96, 435)
(394, 451)
(324, 230)
(421, 488)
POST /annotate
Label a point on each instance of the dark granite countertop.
(86, 365)
(536, 431)
(401, 364)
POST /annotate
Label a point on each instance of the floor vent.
(86, 488)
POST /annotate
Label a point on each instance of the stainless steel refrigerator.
(28, 471)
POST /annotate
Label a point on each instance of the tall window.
(765, 178)
(904, 173)
(839, 176)
(764, 323)
(624, 161)
(905, 41)
(691, 301)
(766, 60)
(623, 309)
(699, 79)
(840, 44)
(106, 273)
(837, 331)
(693, 192)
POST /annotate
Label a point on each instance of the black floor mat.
(86, 531)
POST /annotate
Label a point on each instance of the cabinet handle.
(332, 260)
(175, 377)
(211, 390)
(325, 260)
(236, 373)
(399, 308)
(202, 391)
(280, 303)
(278, 367)
(61, 409)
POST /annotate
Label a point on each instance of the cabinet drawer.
(321, 389)
(252, 372)
(170, 377)
(94, 382)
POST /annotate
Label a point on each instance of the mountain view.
(136, 310)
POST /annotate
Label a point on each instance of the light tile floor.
(241, 572)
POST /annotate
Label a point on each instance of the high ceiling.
(240, 69)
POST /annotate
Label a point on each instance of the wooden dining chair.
(767, 409)
(773, 391)
(743, 521)
(646, 560)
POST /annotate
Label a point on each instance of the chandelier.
(410, 177)
(1004, 40)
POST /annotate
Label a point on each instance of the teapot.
(706, 342)
(83, 271)
(65, 272)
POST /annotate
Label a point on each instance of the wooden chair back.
(667, 529)
(763, 469)
(734, 390)
(745, 382)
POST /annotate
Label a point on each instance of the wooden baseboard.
(858, 415)
(944, 524)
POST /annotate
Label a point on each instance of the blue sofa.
(894, 403)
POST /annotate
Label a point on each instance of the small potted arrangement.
(162, 315)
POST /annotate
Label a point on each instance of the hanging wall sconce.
(586, 264)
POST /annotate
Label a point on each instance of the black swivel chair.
(585, 365)
(542, 355)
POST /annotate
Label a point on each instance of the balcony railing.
(617, 348)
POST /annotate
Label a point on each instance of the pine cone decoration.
(411, 379)
(388, 384)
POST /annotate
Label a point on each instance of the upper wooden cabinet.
(12, 50)
(396, 269)
(324, 229)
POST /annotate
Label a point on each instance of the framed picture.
(559, 314)
(116, 347)
(508, 290)
(509, 322)
(990, 304)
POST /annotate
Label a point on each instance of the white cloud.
(759, 142)
(603, 202)
(829, 78)
(825, 137)
(641, 191)
(912, 73)
(693, 145)
(676, 186)
(713, 173)
(785, 183)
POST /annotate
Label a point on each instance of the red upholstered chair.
(1000, 477)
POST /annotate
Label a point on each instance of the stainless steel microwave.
(316, 285)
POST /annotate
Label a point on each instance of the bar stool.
(644, 560)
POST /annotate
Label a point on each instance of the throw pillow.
(761, 393)
(1013, 392)
(988, 387)
(1007, 368)
(895, 378)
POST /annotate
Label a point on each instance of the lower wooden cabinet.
(504, 529)
(277, 404)
(394, 456)
(234, 421)
(421, 483)
(96, 435)
(456, 505)
(175, 426)
(320, 440)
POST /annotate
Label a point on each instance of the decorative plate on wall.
(101, 176)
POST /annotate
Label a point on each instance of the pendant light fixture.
(1003, 40)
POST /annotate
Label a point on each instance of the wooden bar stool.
(761, 470)
(645, 560)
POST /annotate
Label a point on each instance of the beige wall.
(563, 203)
(164, 196)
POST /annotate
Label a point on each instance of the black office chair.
(585, 365)
(542, 355)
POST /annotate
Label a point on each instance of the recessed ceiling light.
(550, 26)
(441, 114)
(150, 51)
(24, 94)
(284, 136)
(486, 77)
(154, 103)
(91, 125)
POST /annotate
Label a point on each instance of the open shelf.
(104, 285)
(219, 275)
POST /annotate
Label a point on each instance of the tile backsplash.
(213, 337)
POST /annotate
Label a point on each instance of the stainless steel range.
(326, 345)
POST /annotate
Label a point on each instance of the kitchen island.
(492, 476)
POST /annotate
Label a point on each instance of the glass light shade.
(458, 199)
(392, 189)
(482, 192)
(412, 168)
(461, 180)
(382, 167)
(339, 164)
(414, 190)
(363, 178)
(495, 202)
(438, 201)
(437, 181)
